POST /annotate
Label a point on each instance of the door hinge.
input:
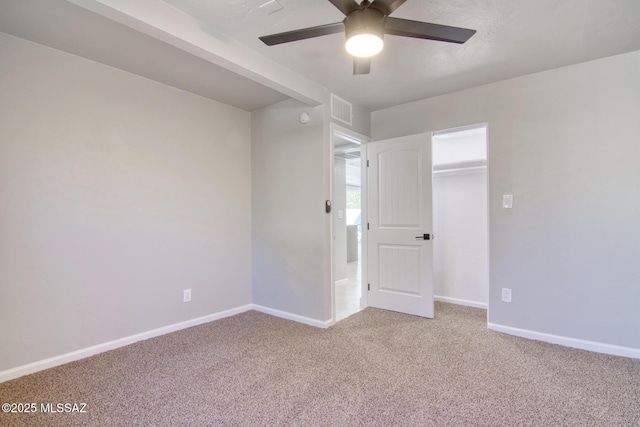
(367, 226)
(368, 286)
(367, 163)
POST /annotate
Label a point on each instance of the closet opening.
(460, 216)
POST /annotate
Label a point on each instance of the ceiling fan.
(365, 26)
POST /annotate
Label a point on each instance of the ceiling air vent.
(341, 110)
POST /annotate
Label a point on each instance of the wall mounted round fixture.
(304, 118)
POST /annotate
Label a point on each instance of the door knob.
(425, 236)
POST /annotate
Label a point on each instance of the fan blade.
(305, 33)
(426, 30)
(345, 6)
(387, 7)
(361, 66)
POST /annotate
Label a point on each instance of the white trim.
(459, 301)
(347, 135)
(337, 130)
(51, 362)
(444, 132)
(364, 220)
(83, 353)
(597, 347)
(324, 324)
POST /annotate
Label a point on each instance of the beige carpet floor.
(376, 368)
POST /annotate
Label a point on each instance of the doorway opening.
(460, 216)
(348, 213)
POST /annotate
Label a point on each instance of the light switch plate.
(507, 201)
(340, 214)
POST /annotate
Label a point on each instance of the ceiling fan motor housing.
(364, 21)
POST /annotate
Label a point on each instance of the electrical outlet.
(506, 294)
(186, 295)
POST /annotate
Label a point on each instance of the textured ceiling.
(515, 37)
(67, 27)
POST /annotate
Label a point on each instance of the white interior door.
(400, 220)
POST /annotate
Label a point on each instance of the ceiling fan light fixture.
(364, 29)
(365, 24)
(364, 45)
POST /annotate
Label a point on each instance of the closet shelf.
(455, 168)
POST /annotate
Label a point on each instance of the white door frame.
(337, 130)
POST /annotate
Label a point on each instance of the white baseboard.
(51, 362)
(597, 347)
(324, 324)
(460, 302)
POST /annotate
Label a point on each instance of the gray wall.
(289, 226)
(361, 118)
(116, 193)
(566, 144)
